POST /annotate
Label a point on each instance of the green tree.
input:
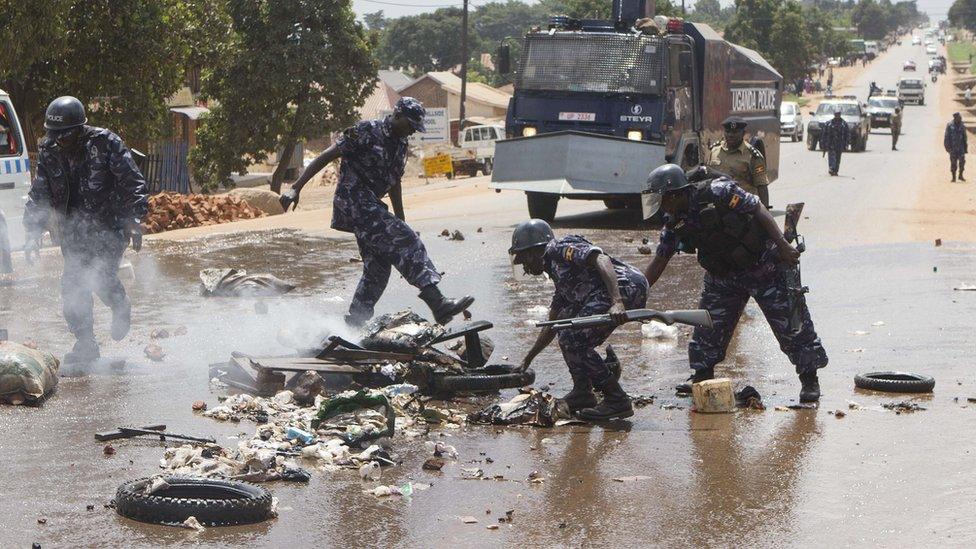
(375, 21)
(870, 20)
(297, 69)
(121, 57)
(792, 50)
(422, 43)
(751, 24)
(707, 10)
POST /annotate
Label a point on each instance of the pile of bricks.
(169, 211)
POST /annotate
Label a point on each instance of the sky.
(397, 8)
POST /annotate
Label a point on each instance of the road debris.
(529, 407)
(159, 333)
(903, 406)
(433, 464)
(26, 374)
(660, 331)
(469, 520)
(108, 450)
(966, 288)
(154, 352)
(370, 471)
(645, 250)
(492, 527)
(199, 406)
(193, 524)
(749, 397)
(839, 414)
(237, 283)
(634, 478)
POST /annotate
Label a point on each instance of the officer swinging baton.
(695, 317)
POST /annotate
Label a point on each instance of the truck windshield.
(581, 62)
(911, 84)
(846, 109)
(886, 103)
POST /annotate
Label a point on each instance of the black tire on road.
(486, 167)
(542, 205)
(493, 377)
(895, 382)
(213, 502)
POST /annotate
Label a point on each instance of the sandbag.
(237, 283)
(26, 374)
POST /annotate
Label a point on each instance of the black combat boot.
(582, 394)
(697, 376)
(616, 404)
(961, 178)
(444, 309)
(613, 363)
(84, 351)
(809, 387)
(953, 176)
(121, 320)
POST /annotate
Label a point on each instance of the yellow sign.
(437, 165)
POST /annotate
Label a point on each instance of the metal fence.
(166, 169)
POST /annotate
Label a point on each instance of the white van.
(14, 164)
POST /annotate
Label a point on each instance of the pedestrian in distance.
(956, 144)
(740, 160)
(834, 138)
(88, 190)
(374, 156)
(968, 95)
(587, 282)
(742, 250)
(895, 127)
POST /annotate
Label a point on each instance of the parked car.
(931, 51)
(476, 150)
(791, 121)
(908, 66)
(911, 90)
(852, 111)
(880, 109)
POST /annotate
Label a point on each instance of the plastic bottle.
(304, 436)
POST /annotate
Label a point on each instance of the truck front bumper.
(574, 164)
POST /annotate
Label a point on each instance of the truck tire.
(213, 502)
(486, 167)
(542, 205)
(615, 204)
(895, 382)
(491, 378)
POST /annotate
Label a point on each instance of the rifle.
(791, 273)
(695, 317)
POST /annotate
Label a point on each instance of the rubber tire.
(491, 378)
(542, 205)
(895, 382)
(615, 204)
(213, 502)
(486, 168)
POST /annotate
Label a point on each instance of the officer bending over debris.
(89, 191)
(374, 154)
(588, 282)
(740, 246)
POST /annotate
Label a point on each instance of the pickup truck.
(911, 90)
(476, 150)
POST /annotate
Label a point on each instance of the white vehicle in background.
(15, 178)
(476, 150)
(911, 90)
(791, 121)
(871, 48)
(931, 51)
(916, 40)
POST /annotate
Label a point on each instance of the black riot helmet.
(663, 179)
(64, 113)
(529, 234)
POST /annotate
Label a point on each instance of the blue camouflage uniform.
(955, 143)
(373, 160)
(725, 294)
(85, 201)
(581, 292)
(834, 137)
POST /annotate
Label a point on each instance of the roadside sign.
(437, 125)
(437, 165)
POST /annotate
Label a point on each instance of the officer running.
(88, 190)
(833, 141)
(895, 127)
(374, 155)
(956, 145)
(587, 282)
(740, 160)
(740, 246)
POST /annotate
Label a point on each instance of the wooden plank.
(355, 354)
(303, 364)
(117, 434)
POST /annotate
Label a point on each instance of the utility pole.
(464, 63)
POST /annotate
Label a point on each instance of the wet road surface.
(872, 478)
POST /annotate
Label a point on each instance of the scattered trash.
(472, 472)
(370, 471)
(456, 235)
(529, 407)
(406, 490)
(857, 350)
(878, 323)
(671, 406)
(469, 520)
(154, 352)
(938, 242)
(749, 397)
(42, 521)
(645, 249)
(306, 386)
(966, 288)
(781, 409)
(640, 401)
(632, 479)
(446, 232)
(237, 283)
(404, 331)
(492, 527)
(839, 414)
(806, 406)
(199, 406)
(159, 333)
(439, 449)
(480, 230)
(108, 450)
(433, 464)
(26, 374)
(858, 333)
(659, 330)
(903, 406)
(535, 477)
(713, 396)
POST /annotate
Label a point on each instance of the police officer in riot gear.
(88, 191)
(373, 156)
(740, 246)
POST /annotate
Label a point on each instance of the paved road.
(881, 299)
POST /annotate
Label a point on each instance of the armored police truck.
(599, 104)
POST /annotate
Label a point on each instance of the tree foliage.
(295, 70)
(422, 43)
(121, 57)
(794, 50)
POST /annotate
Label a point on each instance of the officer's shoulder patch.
(756, 153)
(568, 253)
(734, 201)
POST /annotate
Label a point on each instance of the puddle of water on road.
(758, 478)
